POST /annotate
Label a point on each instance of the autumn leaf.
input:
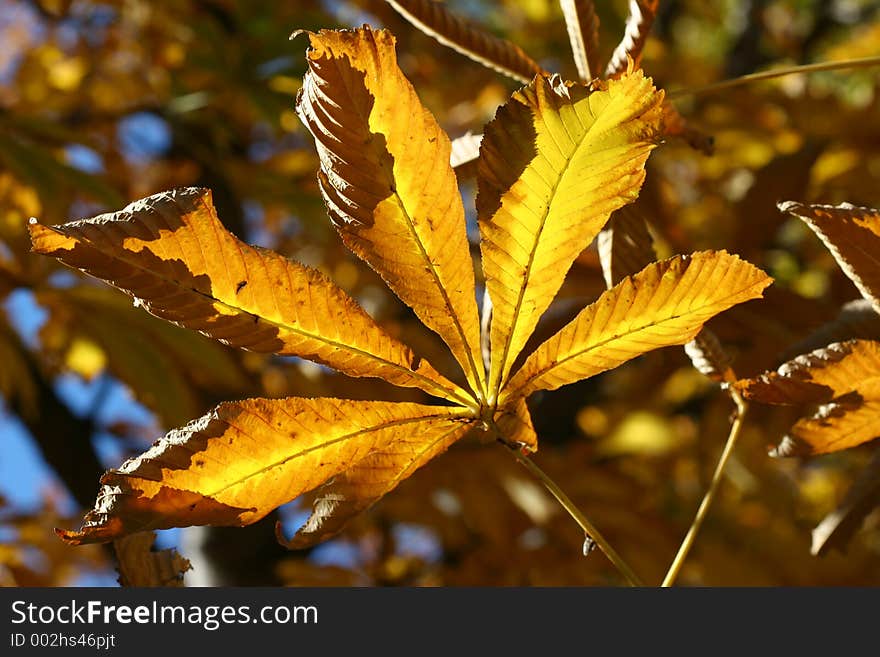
(665, 304)
(852, 234)
(582, 24)
(555, 162)
(844, 378)
(435, 20)
(625, 245)
(638, 25)
(140, 565)
(172, 254)
(241, 460)
(389, 187)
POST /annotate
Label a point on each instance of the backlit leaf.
(172, 254)
(435, 20)
(387, 182)
(583, 34)
(638, 25)
(821, 376)
(555, 162)
(665, 304)
(243, 459)
(361, 486)
(852, 234)
(625, 245)
(140, 565)
(835, 426)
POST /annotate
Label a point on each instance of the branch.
(591, 532)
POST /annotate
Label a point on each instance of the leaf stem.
(863, 62)
(702, 511)
(591, 531)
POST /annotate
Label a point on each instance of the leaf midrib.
(410, 224)
(598, 345)
(501, 378)
(281, 326)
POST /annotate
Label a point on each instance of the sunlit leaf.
(582, 24)
(835, 426)
(852, 234)
(555, 162)
(638, 25)
(172, 254)
(386, 178)
(368, 480)
(465, 149)
(821, 376)
(243, 459)
(435, 20)
(665, 304)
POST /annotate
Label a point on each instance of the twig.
(735, 427)
(864, 62)
(591, 532)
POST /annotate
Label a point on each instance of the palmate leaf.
(171, 253)
(844, 378)
(243, 459)
(555, 162)
(665, 304)
(389, 187)
(852, 234)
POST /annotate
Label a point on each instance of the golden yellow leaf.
(362, 485)
(172, 254)
(389, 187)
(835, 426)
(820, 376)
(852, 234)
(555, 162)
(435, 20)
(243, 459)
(665, 304)
(514, 423)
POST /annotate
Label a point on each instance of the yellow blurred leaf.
(85, 358)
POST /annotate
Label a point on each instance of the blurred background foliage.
(105, 102)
